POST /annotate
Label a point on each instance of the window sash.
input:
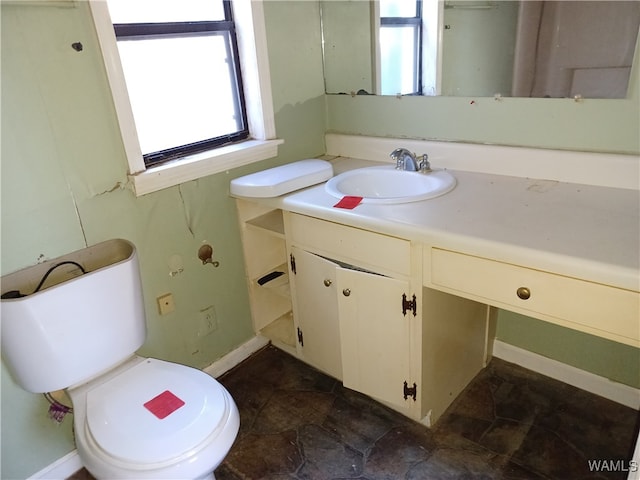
(132, 31)
(149, 31)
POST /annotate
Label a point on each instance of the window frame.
(262, 142)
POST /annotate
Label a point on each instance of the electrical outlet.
(208, 322)
(166, 304)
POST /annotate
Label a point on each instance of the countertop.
(581, 231)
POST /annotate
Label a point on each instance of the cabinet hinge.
(292, 260)
(300, 338)
(410, 391)
(409, 305)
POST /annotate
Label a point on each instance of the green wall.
(565, 124)
(64, 187)
(616, 361)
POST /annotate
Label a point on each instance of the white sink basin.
(387, 185)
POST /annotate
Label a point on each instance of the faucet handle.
(424, 165)
(398, 156)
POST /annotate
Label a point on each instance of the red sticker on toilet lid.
(164, 404)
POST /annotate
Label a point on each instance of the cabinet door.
(374, 335)
(316, 310)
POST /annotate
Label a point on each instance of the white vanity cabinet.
(315, 305)
(375, 336)
(351, 326)
(358, 297)
(351, 302)
(462, 256)
(348, 288)
(591, 307)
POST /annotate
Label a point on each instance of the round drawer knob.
(327, 282)
(346, 292)
(524, 293)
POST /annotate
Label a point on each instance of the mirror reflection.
(526, 48)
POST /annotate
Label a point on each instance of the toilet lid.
(155, 411)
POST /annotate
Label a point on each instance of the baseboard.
(69, 464)
(60, 469)
(236, 356)
(582, 379)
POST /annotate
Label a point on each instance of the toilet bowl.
(152, 419)
(134, 417)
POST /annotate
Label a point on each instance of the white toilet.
(134, 417)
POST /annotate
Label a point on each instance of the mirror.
(484, 48)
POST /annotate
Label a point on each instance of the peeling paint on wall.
(117, 186)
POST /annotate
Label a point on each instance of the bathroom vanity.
(399, 301)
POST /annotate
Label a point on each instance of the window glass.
(397, 8)
(398, 53)
(400, 47)
(179, 91)
(153, 11)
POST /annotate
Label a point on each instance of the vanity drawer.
(379, 253)
(578, 304)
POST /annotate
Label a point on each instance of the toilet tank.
(78, 324)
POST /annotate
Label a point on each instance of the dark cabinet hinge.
(410, 391)
(409, 305)
(300, 338)
(292, 260)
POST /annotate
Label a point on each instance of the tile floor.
(510, 423)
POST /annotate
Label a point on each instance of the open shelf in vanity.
(267, 270)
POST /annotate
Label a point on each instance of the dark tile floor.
(510, 423)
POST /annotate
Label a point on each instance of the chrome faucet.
(406, 160)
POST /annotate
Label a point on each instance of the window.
(408, 53)
(190, 85)
(401, 47)
(192, 53)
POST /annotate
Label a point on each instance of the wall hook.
(205, 253)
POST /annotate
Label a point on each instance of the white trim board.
(588, 168)
(62, 468)
(576, 377)
(236, 356)
(66, 466)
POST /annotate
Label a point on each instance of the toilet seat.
(184, 407)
